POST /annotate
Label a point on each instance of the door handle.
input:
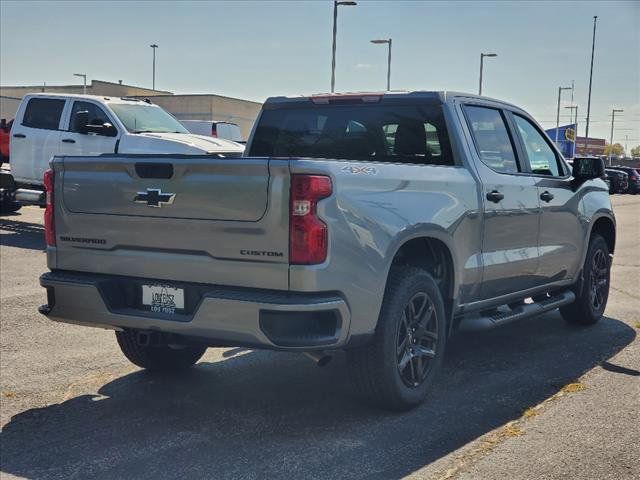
(68, 140)
(495, 196)
(19, 135)
(546, 196)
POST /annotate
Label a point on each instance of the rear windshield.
(382, 133)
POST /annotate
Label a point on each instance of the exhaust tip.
(320, 358)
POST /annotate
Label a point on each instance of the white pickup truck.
(86, 125)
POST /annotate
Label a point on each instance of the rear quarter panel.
(374, 209)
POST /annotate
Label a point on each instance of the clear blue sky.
(256, 49)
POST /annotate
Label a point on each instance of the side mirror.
(586, 168)
(106, 129)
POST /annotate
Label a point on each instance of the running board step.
(484, 322)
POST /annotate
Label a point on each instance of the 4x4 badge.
(154, 197)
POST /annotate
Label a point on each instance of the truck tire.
(396, 370)
(8, 202)
(593, 291)
(161, 357)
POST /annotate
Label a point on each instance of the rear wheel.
(159, 356)
(396, 370)
(593, 293)
(8, 202)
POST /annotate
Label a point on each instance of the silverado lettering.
(96, 241)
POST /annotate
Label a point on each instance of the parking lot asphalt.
(536, 399)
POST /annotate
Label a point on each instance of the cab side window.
(43, 113)
(492, 139)
(86, 113)
(542, 158)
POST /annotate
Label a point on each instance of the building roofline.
(73, 85)
(174, 95)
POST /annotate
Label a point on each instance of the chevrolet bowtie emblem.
(154, 197)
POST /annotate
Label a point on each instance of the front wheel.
(396, 370)
(592, 296)
(158, 357)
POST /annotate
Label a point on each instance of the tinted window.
(541, 156)
(492, 138)
(86, 112)
(384, 133)
(43, 113)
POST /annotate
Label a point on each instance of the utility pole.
(560, 89)
(593, 46)
(154, 47)
(574, 109)
(613, 118)
(336, 4)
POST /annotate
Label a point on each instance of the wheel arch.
(433, 251)
(606, 228)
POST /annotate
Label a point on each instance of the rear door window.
(493, 142)
(385, 133)
(43, 113)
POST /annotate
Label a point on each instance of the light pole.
(560, 89)
(593, 46)
(626, 142)
(482, 55)
(388, 41)
(613, 118)
(84, 78)
(154, 47)
(574, 109)
(336, 4)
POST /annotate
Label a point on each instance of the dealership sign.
(570, 134)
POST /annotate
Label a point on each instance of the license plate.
(162, 299)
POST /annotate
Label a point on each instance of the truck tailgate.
(183, 218)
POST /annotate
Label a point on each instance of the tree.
(635, 151)
(615, 149)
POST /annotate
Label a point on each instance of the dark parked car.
(634, 178)
(619, 180)
(607, 180)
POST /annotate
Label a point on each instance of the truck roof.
(441, 95)
(79, 96)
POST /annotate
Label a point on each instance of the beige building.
(8, 106)
(183, 107)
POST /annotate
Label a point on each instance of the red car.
(5, 133)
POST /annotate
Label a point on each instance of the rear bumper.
(218, 316)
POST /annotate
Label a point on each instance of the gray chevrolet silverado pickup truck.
(374, 223)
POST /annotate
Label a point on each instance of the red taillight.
(214, 130)
(634, 178)
(49, 226)
(307, 233)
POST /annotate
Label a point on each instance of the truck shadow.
(21, 234)
(276, 415)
